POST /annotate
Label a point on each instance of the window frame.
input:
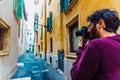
(68, 25)
(6, 42)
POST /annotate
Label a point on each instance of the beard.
(94, 34)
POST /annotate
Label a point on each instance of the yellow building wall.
(83, 8)
(54, 7)
(56, 33)
(41, 23)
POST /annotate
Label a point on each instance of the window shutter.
(36, 22)
(62, 5)
(50, 26)
(19, 9)
(48, 23)
(65, 4)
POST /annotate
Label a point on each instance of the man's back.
(107, 51)
(99, 61)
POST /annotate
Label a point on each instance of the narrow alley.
(33, 68)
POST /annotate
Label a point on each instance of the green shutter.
(61, 5)
(19, 10)
(65, 4)
(50, 28)
(35, 22)
(48, 23)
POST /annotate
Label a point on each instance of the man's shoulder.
(105, 40)
(98, 42)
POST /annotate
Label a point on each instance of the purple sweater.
(100, 60)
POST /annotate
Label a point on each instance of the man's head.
(103, 20)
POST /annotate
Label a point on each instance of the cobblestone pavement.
(36, 69)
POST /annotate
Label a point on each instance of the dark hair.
(109, 16)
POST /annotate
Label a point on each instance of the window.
(41, 46)
(51, 45)
(70, 1)
(67, 5)
(2, 31)
(49, 22)
(63, 5)
(30, 39)
(49, 2)
(30, 45)
(72, 37)
(38, 48)
(4, 38)
(37, 37)
(35, 21)
(36, 1)
(41, 33)
(41, 11)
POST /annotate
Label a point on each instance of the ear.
(101, 23)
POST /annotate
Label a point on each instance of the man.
(100, 59)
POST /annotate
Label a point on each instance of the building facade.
(30, 8)
(36, 27)
(9, 23)
(30, 41)
(22, 36)
(63, 18)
